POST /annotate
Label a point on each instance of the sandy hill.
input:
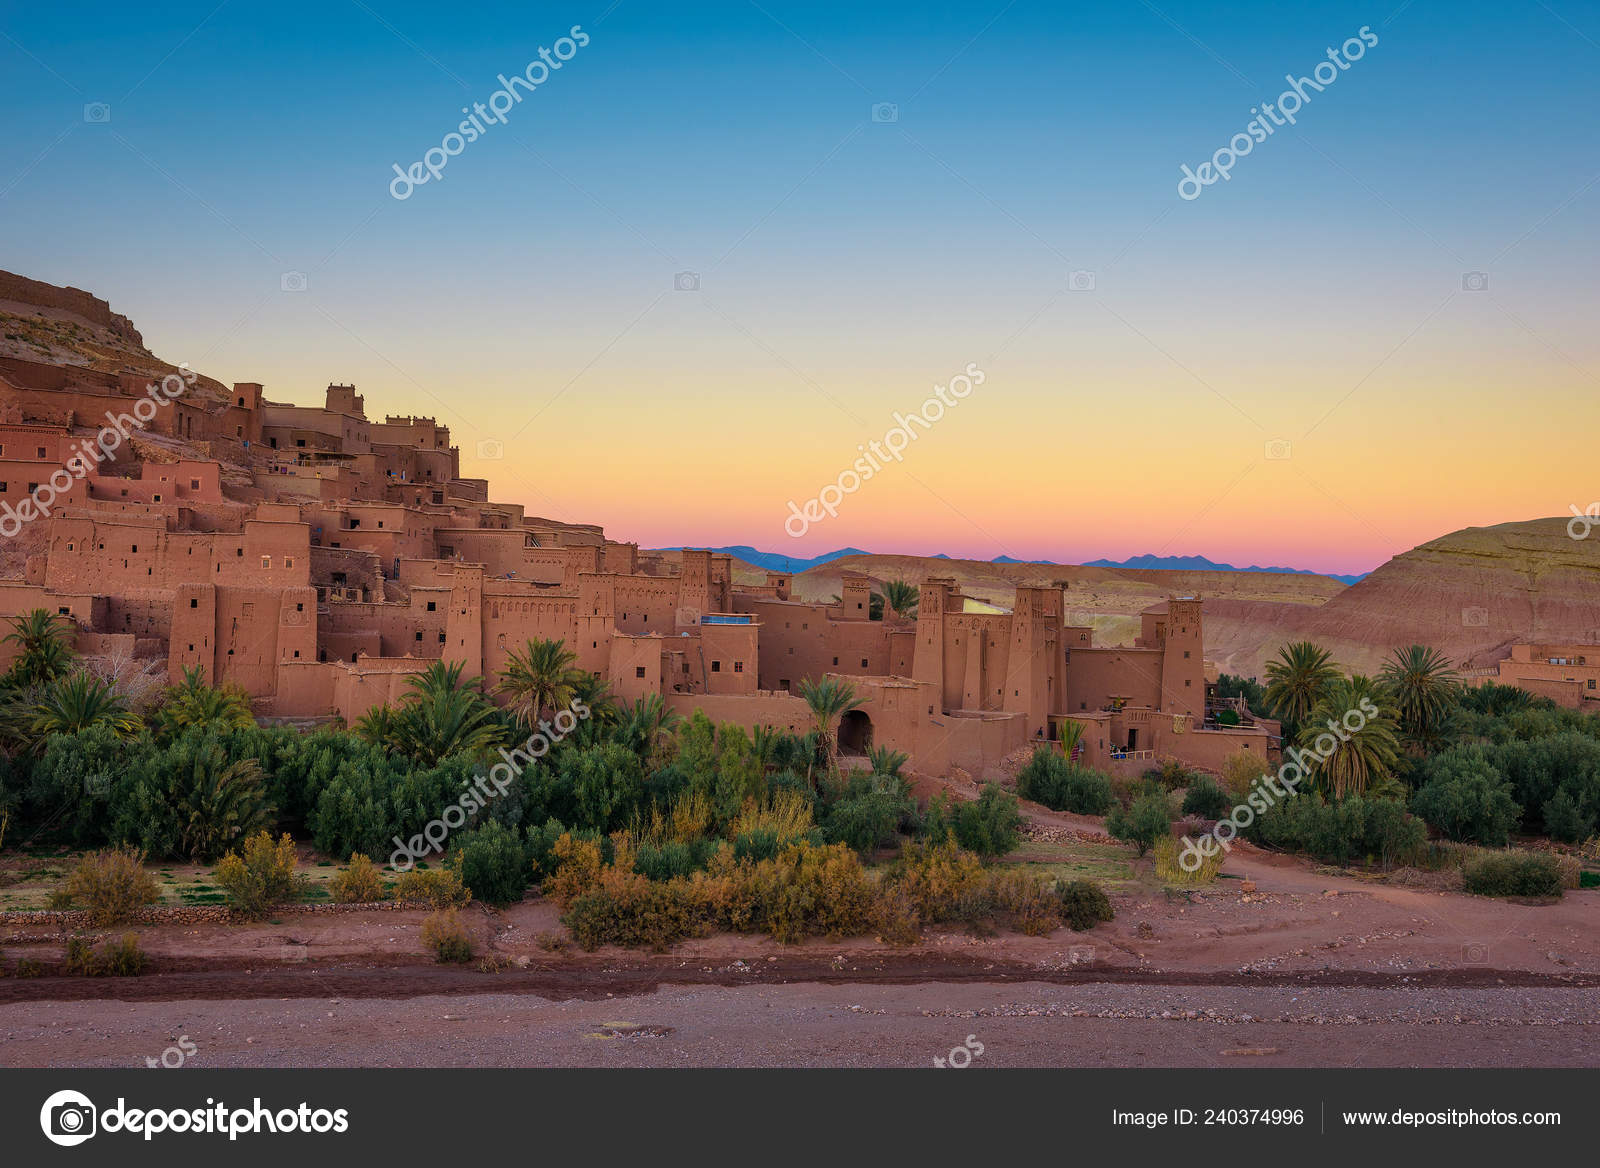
(1471, 593)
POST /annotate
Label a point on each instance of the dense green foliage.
(1048, 778)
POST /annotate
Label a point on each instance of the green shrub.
(1170, 773)
(439, 888)
(1564, 820)
(493, 863)
(1084, 905)
(1344, 832)
(121, 958)
(1206, 798)
(935, 827)
(262, 877)
(1551, 755)
(112, 885)
(760, 844)
(1534, 874)
(541, 841)
(116, 958)
(1050, 779)
(989, 825)
(443, 932)
(869, 812)
(78, 960)
(358, 883)
(1142, 824)
(1467, 799)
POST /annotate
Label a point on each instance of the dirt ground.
(1283, 961)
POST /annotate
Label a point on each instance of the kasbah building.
(319, 558)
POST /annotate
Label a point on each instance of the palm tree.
(1297, 681)
(1424, 687)
(1071, 733)
(1358, 760)
(77, 702)
(44, 647)
(643, 726)
(380, 726)
(446, 714)
(830, 699)
(538, 679)
(591, 691)
(225, 803)
(886, 761)
(194, 703)
(901, 597)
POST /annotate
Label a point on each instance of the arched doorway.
(855, 733)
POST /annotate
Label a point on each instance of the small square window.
(863, 663)
(738, 666)
(638, 671)
(716, 667)
(194, 602)
(266, 561)
(432, 606)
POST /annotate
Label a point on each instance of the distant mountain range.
(1200, 563)
(774, 562)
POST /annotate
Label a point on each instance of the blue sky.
(846, 263)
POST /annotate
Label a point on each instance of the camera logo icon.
(97, 113)
(1080, 281)
(885, 111)
(1277, 449)
(68, 1118)
(292, 282)
(1475, 618)
(1474, 281)
(491, 448)
(1475, 954)
(686, 282)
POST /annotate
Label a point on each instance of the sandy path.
(810, 1024)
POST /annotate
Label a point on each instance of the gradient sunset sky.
(528, 298)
